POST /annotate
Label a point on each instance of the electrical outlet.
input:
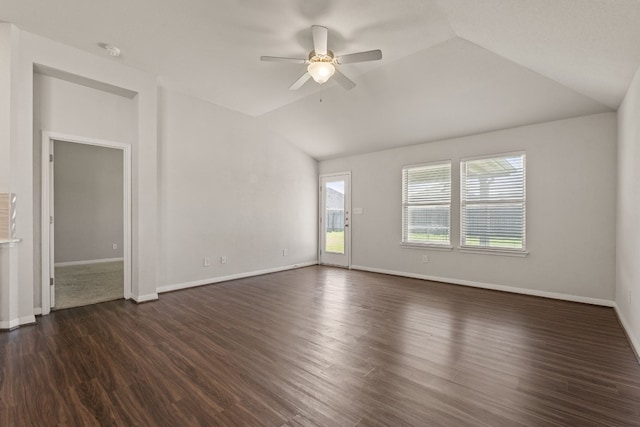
(206, 262)
(223, 259)
(425, 258)
(115, 246)
(285, 252)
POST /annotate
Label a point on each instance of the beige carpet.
(78, 285)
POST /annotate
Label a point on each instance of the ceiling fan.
(321, 62)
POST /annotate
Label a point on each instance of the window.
(492, 202)
(426, 204)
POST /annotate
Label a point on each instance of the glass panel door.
(334, 219)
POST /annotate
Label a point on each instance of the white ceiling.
(449, 67)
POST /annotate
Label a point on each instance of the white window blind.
(426, 204)
(492, 202)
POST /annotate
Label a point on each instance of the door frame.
(347, 208)
(47, 227)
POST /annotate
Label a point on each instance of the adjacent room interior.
(88, 211)
(320, 213)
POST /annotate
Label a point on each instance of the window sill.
(445, 248)
(501, 252)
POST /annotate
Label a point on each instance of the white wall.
(628, 230)
(9, 304)
(229, 187)
(71, 108)
(88, 193)
(571, 197)
(29, 51)
(6, 50)
(74, 109)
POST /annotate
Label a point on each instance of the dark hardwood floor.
(322, 346)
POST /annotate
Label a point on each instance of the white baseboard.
(211, 280)
(37, 311)
(635, 344)
(6, 325)
(86, 262)
(27, 320)
(145, 298)
(491, 286)
(14, 323)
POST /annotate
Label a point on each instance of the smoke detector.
(111, 50)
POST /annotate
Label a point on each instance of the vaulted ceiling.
(449, 67)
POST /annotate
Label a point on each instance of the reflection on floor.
(78, 285)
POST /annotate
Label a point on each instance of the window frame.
(463, 203)
(430, 245)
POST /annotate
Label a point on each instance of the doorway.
(86, 225)
(335, 213)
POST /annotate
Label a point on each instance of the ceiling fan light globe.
(321, 71)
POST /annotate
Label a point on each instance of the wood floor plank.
(323, 346)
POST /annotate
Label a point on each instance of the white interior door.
(335, 216)
(48, 222)
(52, 270)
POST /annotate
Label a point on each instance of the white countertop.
(8, 242)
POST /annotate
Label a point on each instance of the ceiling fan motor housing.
(316, 57)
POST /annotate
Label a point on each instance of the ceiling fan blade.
(320, 35)
(301, 81)
(280, 59)
(343, 80)
(370, 55)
